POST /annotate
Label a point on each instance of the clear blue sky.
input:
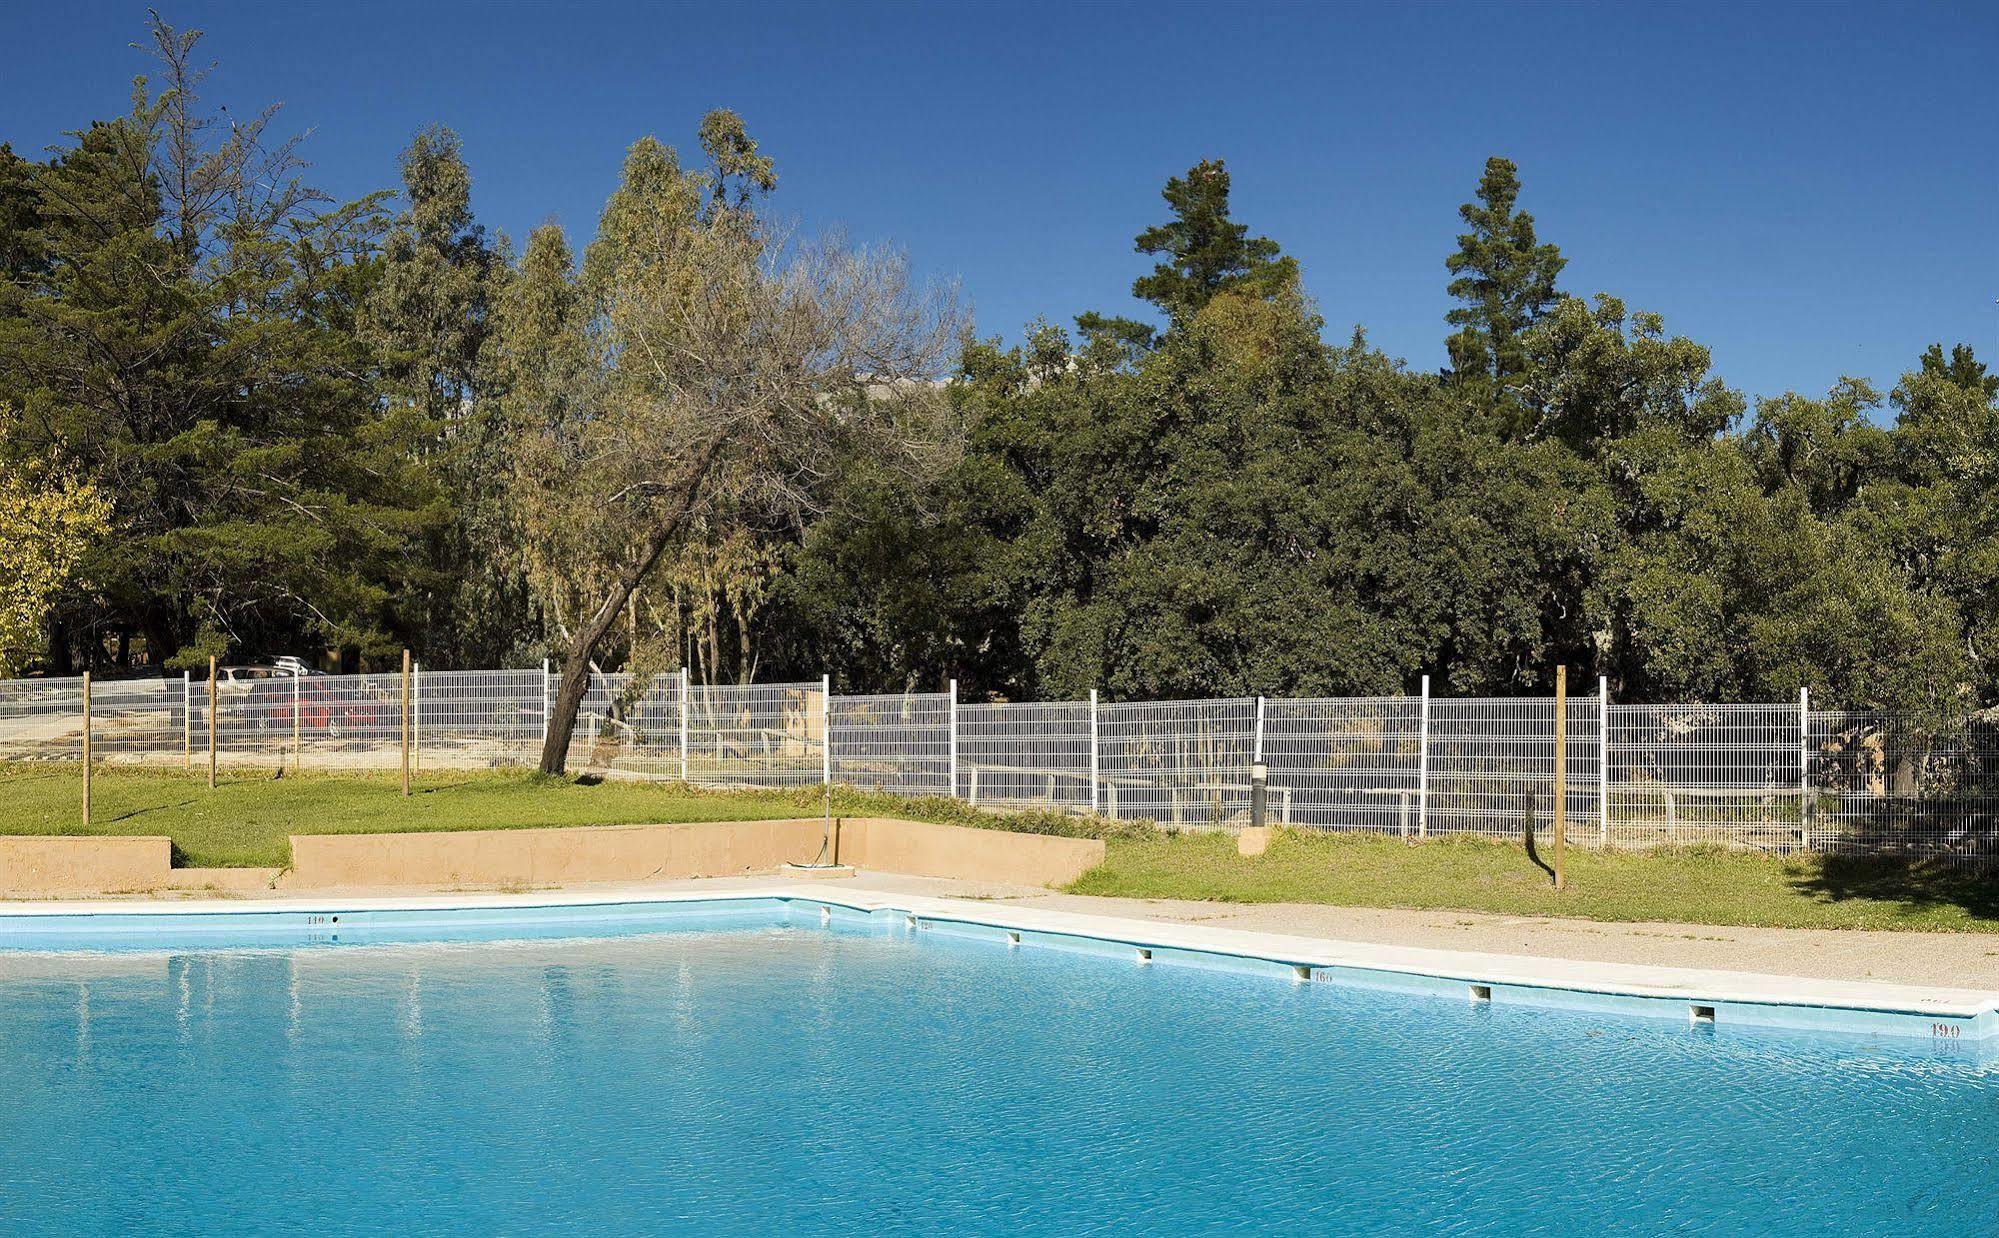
(1812, 190)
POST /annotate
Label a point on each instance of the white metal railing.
(1774, 776)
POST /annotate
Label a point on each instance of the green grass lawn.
(249, 818)
(1697, 886)
(247, 821)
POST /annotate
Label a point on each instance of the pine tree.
(1505, 278)
(1963, 369)
(20, 256)
(185, 339)
(1206, 251)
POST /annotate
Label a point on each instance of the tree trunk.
(158, 629)
(61, 660)
(583, 645)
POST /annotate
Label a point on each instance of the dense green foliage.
(306, 417)
(180, 325)
(1231, 505)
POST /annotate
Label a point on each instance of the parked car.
(323, 707)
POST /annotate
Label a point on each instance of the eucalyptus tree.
(708, 373)
(429, 315)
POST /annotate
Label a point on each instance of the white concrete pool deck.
(1770, 966)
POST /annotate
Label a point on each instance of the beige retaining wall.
(31, 867)
(552, 856)
(37, 866)
(921, 849)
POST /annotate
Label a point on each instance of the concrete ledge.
(44, 866)
(921, 849)
(674, 852)
(35, 865)
(234, 879)
(553, 856)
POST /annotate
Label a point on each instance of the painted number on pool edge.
(1947, 1031)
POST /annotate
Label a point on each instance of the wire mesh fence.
(1708, 773)
(473, 718)
(1771, 777)
(142, 721)
(1884, 782)
(1177, 762)
(1490, 766)
(41, 719)
(1032, 754)
(900, 744)
(756, 735)
(1346, 764)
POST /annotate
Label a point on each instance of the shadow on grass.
(1533, 853)
(432, 788)
(152, 808)
(1917, 884)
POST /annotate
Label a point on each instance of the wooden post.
(86, 747)
(211, 722)
(1561, 770)
(406, 722)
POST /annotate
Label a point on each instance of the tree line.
(238, 419)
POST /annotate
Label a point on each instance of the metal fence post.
(1561, 773)
(683, 724)
(86, 747)
(1096, 759)
(211, 722)
(544, 700)
(187, 720)
(826, 729)
(953, 689)
(298, 749)
(1423, 764)
(406, 722)
(1603, 758)
(1257, 756)
(1805, 768)
(416, 716)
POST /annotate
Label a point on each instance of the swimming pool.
(745, 1068)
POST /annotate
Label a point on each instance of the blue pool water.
(750, 1075)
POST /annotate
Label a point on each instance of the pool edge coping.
(1650, 982)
